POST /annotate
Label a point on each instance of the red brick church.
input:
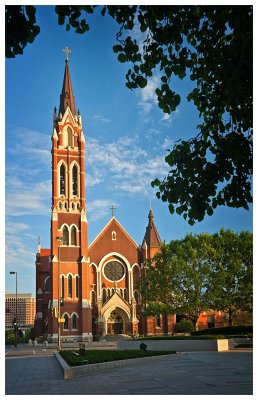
(99, 283)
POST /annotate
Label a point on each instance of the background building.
(26, 307)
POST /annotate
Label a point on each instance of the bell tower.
(69, 243)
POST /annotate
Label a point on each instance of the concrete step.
(110, 338)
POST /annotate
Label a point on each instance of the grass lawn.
(100, 356)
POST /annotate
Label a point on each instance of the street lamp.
(59, 239)
(16, 319)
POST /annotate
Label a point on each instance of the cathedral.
(96, 286)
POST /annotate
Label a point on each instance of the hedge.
(76, 358)
(226, 330)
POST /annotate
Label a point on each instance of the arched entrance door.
(115, 323)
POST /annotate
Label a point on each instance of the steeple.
(151, 241)
(67, 97)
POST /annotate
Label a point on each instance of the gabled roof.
(116, 301)
(151, 237)
(67, 97)
(113, 220)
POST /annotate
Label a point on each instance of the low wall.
(72, 372)
(179, 345)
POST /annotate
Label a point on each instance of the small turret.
(151, 242)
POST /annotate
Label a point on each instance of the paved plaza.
(35, 372)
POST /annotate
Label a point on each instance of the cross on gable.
(113, 210)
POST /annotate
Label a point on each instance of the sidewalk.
(199, 373)
(23, 349)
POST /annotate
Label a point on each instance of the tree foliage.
(213, 46)
(200, 273)
(193, 273)
(232, 272)
(184, 326)
(160, 274)
(20, 29)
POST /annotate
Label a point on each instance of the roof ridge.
(121, 227)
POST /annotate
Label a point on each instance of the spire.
(67, 97)
(151, 218)
(151, 238)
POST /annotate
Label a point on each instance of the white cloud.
(148, 97)
(138, 35)
(101, 118)
(24, 198)
(99, 208)
(166, 117)
(17, 253)
(124, 165)
(167, 143)
(34, 144)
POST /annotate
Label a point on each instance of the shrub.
(226, 330)
(184, 326)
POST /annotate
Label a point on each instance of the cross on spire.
(113, 210)
(67, 51)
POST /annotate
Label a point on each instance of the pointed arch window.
(136, 296)
(70, 137)
(62, 287)
(77, 286)
(93, 298)
(75, 180)
(73, 236)
(104, 296)
(70, 286)
(74, 321)
(62, 179)
(65, 235)
(158, 321)
(65, 321)
(47, 285)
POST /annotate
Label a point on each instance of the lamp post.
(59, 239)
(16, 319)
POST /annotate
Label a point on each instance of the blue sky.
(127, 136)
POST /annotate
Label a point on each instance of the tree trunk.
(230, 321)
(195, 322)
(165, 324)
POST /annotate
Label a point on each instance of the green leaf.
(209, 211)
(117, 48)
(141, 81)
(171, 208)
(156, 182)
(122, 57)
